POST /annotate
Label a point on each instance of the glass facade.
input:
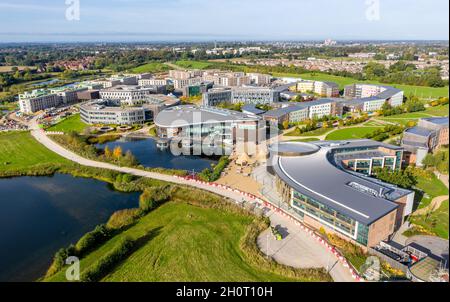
(363, 234)
(324, 213)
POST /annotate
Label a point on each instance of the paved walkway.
(433, 206)
(298, 249)
(339, 274)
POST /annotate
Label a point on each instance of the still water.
(149, 155)
(39, 215)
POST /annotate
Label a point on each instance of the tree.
(130, 159)
(117, 153)
(401, 178)
(286, 124)
(107, 152)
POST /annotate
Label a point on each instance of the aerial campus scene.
(224, 141)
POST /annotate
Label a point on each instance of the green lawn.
(187, 243)
(374, 123)
(433, 187)
(438, 110)
(305, 140)
(436, 222)
(72, 123)
(350, 133)
(193, 64)
(317, 132)
(420, 91)
(153, 67)
(19, 150)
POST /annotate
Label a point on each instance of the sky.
(206, 20)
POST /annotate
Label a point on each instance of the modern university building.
(314, 182)
(218, 126)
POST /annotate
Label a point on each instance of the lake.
(149, 155)
(40, 215)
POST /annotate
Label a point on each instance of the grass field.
(433, 187)
(19, 150)
(9, 68)
(350, 133)
(187, 243)
(436, 222)
(438, 110)
(317, 132)
(72, 123)
(404, 118)
(193, 64)
(420, 91)
(153, 67)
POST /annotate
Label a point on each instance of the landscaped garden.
(351, 133)
(316, 132)
(435, 222)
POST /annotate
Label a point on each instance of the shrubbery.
(123, 218)
(92, 239)
(153, 197)
(59, 260)
(211, 175)
(385, 133)
(104, 264)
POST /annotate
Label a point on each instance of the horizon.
(116, 21)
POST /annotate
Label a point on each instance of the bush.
(92, 239)
(123, 218)
(211, 175)
(153, 197)
(59, 260)
(104, 264)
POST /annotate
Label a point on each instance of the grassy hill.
(20, 151)
(191, 240)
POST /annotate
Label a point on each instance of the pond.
(40, 215)
(149, 155)
(48, 82)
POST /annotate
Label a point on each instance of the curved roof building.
(315, 183)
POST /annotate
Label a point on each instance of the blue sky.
(139, 20)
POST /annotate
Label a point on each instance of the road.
(339, 274)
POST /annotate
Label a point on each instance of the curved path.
(433, 206)
(340, 274)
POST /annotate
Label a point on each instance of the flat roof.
(252, 109)
(181, 116)
(437, 120)
(419, 131)
(317, 176)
